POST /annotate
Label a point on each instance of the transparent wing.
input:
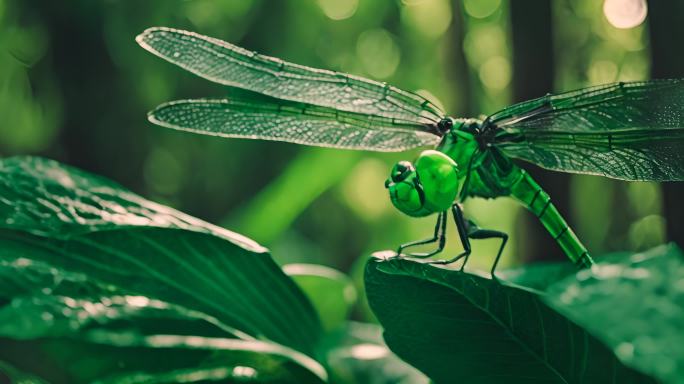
(227, 64)
(637, 154)
(629, 131)
(291, 122)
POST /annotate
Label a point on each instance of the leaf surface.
(460, 327)
(635, 305)
(84, 261)
(83, 331)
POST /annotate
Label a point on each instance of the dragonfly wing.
(637, 154)
(628, 131)
(291, 122)
(227, 64)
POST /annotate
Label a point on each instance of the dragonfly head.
(445, 125)
(428, 186)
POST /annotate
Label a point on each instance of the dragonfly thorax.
(428, 186)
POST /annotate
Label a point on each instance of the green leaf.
(460, 327)
(43, 301)
(205, 374)
(84, 331)
(109, 356)
(62, 218)
(331, 292)
(635, 305)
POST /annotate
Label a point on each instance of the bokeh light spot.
(339, 9)
(428, 17)
(481, 8)
(378, 53)
(625, 13)
(483, 42)
(647, 232)
(644, 198)
(368, 351)
(244, 372)
(602, 71)
(495, 73)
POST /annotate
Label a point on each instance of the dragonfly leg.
(479, 234)
(467, 230)
(439, 236)
(462, 227)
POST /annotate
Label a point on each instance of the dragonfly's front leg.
(462, 226)
(439, 235)
(467, 230)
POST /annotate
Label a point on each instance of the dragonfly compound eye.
(439, 179)
(401, 171)
(445, 124)
(405, 190)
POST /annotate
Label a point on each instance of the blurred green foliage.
(74, 86)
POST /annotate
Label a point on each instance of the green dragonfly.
(627, 131)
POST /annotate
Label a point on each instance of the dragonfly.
(629, 131)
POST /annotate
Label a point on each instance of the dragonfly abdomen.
(528, 192)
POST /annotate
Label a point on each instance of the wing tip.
(154, 119)
(140, 39)
(144, 38)
(153, 116)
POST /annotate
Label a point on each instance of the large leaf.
(43, 301)
(635, 305)
(122, 356)
(78, 223)
(460, 327)
(77, 331)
